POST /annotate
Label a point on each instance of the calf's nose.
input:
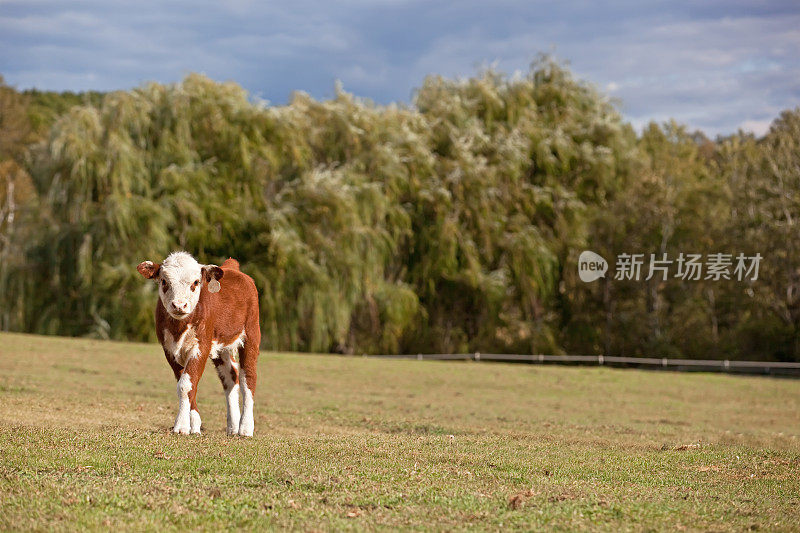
(180, 306)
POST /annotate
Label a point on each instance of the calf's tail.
(231, 263)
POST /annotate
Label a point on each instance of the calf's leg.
(248, 375)
(228, 372)
(188, 418)
(183, 418)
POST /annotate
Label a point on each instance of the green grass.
(358, 443)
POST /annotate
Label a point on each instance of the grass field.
(358, 443)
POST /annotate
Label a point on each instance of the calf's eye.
(163, 284)
(195, 284)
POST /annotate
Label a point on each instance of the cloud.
(715, 65)
(759, 127)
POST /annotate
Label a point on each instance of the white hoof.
(182, 424)
(246, 428)
(195, 422)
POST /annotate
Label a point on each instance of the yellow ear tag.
(213, 285)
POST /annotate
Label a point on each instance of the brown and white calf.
(208, 311)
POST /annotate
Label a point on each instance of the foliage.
(450, 225)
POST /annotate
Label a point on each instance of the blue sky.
(714, 65)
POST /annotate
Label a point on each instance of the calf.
(207, 311)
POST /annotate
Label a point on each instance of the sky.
(713, 65)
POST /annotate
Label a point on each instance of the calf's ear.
(148, 269)
(212, 274)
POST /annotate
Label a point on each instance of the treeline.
(451, 225)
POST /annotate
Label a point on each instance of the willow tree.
(526, 162)
(452, 224)
(445, 226)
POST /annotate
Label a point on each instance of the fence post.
(419, 357)
(600, 359)
(477, 356)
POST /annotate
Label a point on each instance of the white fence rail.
(705, 365)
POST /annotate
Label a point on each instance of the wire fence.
(653, 363)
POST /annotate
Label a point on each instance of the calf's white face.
(180, 280)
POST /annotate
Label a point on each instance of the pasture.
(360, 443)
